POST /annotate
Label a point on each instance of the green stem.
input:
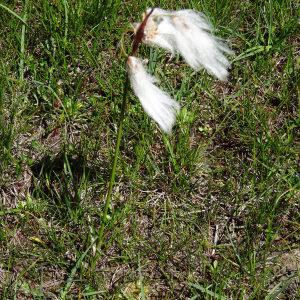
(113, 174)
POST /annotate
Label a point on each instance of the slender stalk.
(113, 173)
(136, 42)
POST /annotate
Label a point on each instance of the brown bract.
(140, 33)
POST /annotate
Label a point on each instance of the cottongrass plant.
(186, 32)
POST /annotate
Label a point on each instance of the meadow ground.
(209, 212)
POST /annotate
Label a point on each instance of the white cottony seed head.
(189, 33)
(157, 103)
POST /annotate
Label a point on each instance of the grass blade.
(208, 292)
(14, 14)
(70, 279)
(21, 68)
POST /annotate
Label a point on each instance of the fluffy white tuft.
(189, 33)
(157, 104)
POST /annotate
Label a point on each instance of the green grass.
(210, 212)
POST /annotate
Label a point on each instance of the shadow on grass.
(63, 181)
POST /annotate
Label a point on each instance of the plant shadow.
(63, 181)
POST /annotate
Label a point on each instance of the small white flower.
(189, 33)
(157, 104)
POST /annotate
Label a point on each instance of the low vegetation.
(209, 212)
